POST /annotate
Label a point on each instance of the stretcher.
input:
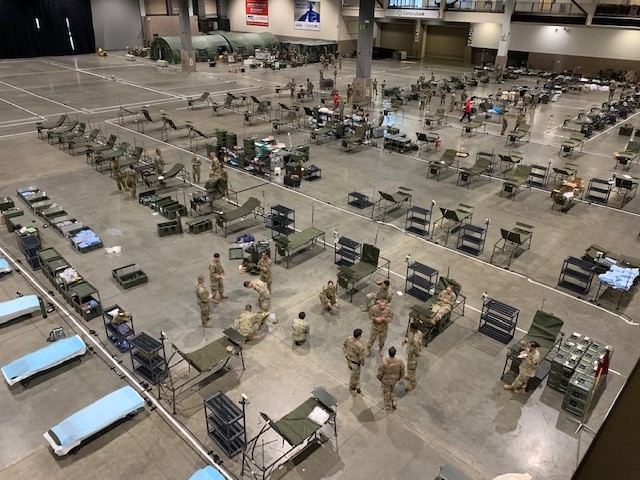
(204, 98)
(454, 218)
(173, 172)
(84, 142)
(474, 124)
(286, 246)
(4, 266)
(206, 361)
(207, 473)
(356, 139)
(449, 158)
(169, 125)
(513, 182)
(109, 155)
(631, 153)
(50, 124)
(46, 358)
(435, 118)
(466, 174)
(518, 134)
(392, 201)
(20, 306)
(251, 206)
(569, 144)
(92, 419)
(298, 427)
(350, 276)
(518, 237)
(428, 139)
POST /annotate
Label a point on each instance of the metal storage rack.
(283, 221)
(29, 243)
(598, 191)
(85, 300)
(118, 334)
(539, 176)
(226, 424)
(421, 279)
(471, 238)
(347, 252)
(498, 320)
(148, 358)
(576, 275)
(418, 220)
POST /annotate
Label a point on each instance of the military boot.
(409, 387)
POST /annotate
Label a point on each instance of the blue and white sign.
(306, 16)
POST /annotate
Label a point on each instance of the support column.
(443, 7)
(187, 57)
(505, 36)
(366, 21)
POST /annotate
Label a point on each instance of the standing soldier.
(374, 297)
(300, 329)
(264, 264)
(380, 316)
(505, 123)
(414, 347)
(519, 119)
(328, 296)
(374, 87)
(264, 296)
(195, 168)
(423, 100)
(117, 174)
(159, 166)
(203, 297)
(430, 93)
(443, 95)
(349, 92)
(335, 78)
(216, 167)
(354, 351)
(249, 323)
(389, 373)
(340, 61)
(216, 278)
(464, 96)
(131, 178)
(452, 102)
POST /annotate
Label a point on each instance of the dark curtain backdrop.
(19, 36)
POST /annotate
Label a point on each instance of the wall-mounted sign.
(257, 12)
(395, 12)
(306, 16)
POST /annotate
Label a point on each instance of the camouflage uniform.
(328, 296)
(528, 368)
(354, 352)
(248, 323)
(379, 329)
(264, 264)
(265, 295)
(300, 331)
(440, 308)
(159, 166)
(375, 297)
(414, 347)
(131, 179)
(117, 175)
(195, 169)
(202, 296)
(505, 124)
(216, 270)
(389, 373)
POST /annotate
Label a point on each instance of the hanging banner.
(257, 12)
(306, 16)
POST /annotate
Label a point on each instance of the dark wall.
(20, 37)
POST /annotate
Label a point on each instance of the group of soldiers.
(128, 180)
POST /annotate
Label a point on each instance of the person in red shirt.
(336, 100)
(467, 110)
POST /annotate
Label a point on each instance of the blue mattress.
(85, 238)
(207, 473)
(17, 307)
(4, 266)
(103, 412)
(43, 359)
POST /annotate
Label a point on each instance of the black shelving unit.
(226, 424)
(471, 238)
(498, 320)
(598, 191)
(576, 275)
(283, 221)
(85, 299)
(539, 176)
(418, 220)
(119, 334)
(29, 243)
(420, 280)
(359, 200)
(148, 358)
(347, 252)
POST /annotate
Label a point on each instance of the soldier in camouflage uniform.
(443, 305)
(389, 373)
(203, 298)
(195, 168)
(131, 179)
(264, 298)
(117, 174)
(249, 323)
(414, 347)
(158, 164)
(354, 352)
(216, 278)
(264, 264)
(528, 367)
(374, 297)
(380, 316)
(328, 296)
(300, 329)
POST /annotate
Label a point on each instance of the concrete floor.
(458, 413)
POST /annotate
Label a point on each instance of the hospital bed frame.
(232, 338)
(391, 201)
(454, 217)
(252, 205)
(518, 237)
(177, 171)
(449, 158)
(23, 312)
(287, 246)
(255, 464)
(350, 276)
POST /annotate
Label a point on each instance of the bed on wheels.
(61, 351)
(206, 361)
(299, 427)
(93, 419)
(545, 329)
(16, 308)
